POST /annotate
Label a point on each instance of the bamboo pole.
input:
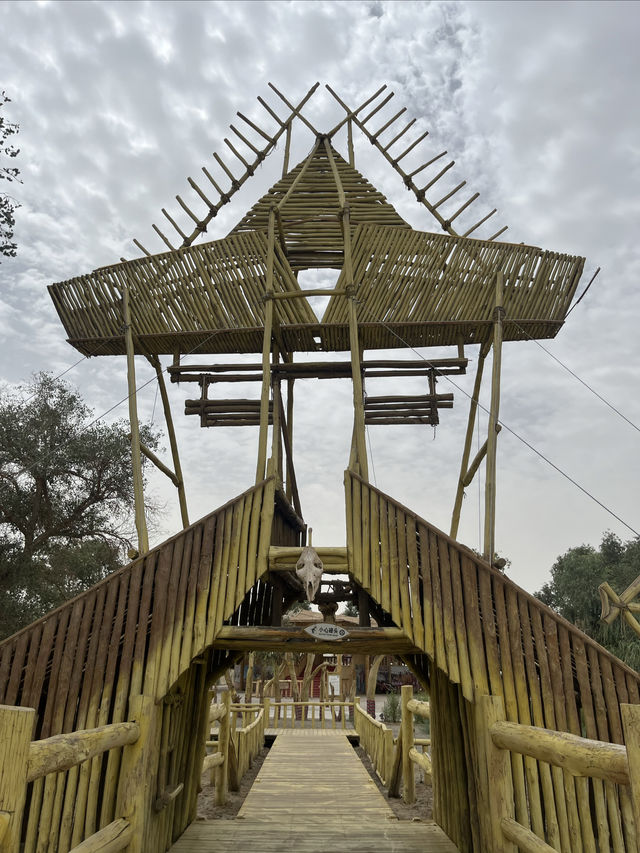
(492, 437)
(182, 498)
(136, 457)
(466, 453)
(631, 725)
(266, 354)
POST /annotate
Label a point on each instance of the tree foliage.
(66, 498)
(8, 173)
(573, 591)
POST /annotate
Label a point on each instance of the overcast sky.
(538, 103)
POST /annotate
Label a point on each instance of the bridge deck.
(311, 795)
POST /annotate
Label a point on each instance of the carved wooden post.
(136, 787)
(499, 780)
(16, 731)
(408, 780)
(631, 724)
(222, 771)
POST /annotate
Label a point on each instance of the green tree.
(66, 498)
(573, 591)
(8, 173)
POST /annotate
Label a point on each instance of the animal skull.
(309, 571)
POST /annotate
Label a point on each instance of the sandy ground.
(420, 810)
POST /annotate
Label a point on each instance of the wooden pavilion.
(146, 642)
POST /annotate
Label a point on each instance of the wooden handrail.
(579, 756)
(61, 752)
(113, 837)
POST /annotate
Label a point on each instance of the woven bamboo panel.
(484, 633)
(310, 217)
(139, 631)
(207, 288)
(405, 276)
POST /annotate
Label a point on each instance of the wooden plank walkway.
(313, 794)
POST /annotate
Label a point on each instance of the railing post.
(133, 802)
(222, 771)
(499, 793)
(631, 724)
(408, 779)
(16, 731)
(267, 711)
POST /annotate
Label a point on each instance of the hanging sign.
(327, 631)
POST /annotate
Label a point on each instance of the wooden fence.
(377, 741)
(147, 628)
(616, 765)
(478, 634)
(23, 761)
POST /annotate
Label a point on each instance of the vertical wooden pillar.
(289, 440)
(408, 779)
(466, 453)
(492, 437)
(135, 788)
(499, 793)
(222, 771)
(276, 431)
(16, 731)
(266, 354)
(182, 498)
(354, 345)
(631, 725)
(136, 457)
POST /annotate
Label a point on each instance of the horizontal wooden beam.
(62, 752)
(294, 639)
(284, 559)
(579, 756)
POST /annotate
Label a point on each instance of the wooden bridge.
(106, 700)
(138, 651)
(313, 794)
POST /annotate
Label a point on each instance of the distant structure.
(148, 641)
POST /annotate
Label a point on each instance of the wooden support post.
(499, 794)
(466, 453)
(182, 498)
(408, 779)
(136, 785)
(631, 725)
(276, 432)
(136, 457)
(16, 731)
(288, 438)
(492, 437)
(354, 344)
(222, 772)
(266, 354)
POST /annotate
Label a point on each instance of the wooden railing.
(377, 741)
(581, 757)
(310, 714)
(392, 758)
(235, 748)
(23, 760)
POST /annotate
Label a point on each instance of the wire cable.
(580, 380)
(504, 425)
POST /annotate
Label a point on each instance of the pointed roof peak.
(309, 201)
